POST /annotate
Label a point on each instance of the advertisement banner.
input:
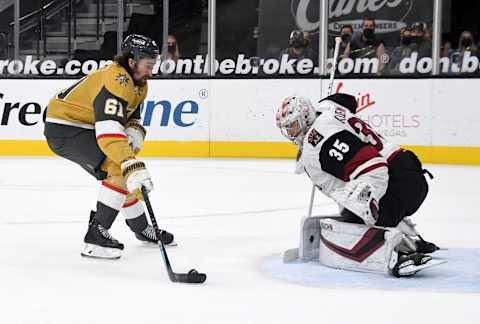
(22, 107)
(402, 119)
(399, 110)
(177, 110)
(173, 110)
(270, 51)
(390, 16)
(455, 117)
(244, 110)
(236, 117)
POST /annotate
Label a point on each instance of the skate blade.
(434, 262)
(151, 244)
(99, 252)
(173, 243)
(413, 269)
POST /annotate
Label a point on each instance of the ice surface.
(460, 274)
(230, 217)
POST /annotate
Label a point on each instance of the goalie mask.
(295, 117)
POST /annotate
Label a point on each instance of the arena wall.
(436, 118)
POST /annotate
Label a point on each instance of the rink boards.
(436, 118)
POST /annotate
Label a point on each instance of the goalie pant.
(340, 147)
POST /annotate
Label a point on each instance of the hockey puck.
(193, 271)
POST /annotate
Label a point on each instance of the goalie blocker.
(359, 247)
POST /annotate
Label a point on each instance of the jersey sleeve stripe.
(109, 128)
(365, 157)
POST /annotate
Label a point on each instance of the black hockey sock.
(138, 224)
(105, 215)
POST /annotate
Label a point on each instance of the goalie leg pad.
(310, 237)
(358, 247)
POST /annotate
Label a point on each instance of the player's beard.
(141, 81)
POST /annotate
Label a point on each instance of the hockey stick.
(338, 40)
(192, 276)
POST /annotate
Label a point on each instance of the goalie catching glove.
(136, 176)
(358, 197)
(136, 135)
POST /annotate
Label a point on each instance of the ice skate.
(413, 240)
(149, 237)
(409, 264)
(99, 243)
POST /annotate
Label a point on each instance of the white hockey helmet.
(295, 117)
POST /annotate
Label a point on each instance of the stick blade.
(191, 277)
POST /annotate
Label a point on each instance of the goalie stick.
(338, 40)
(192, 276)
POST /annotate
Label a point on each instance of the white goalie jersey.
(340, 147)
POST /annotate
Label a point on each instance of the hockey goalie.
(376, 185)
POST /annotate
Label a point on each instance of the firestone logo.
(161, 113)
(184, 114)
(28, 114)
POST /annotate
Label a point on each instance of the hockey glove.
(136, 176)
(136, 134)
(358, 197)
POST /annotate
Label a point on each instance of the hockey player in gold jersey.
(95, 123)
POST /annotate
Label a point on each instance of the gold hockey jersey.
(103, 101)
